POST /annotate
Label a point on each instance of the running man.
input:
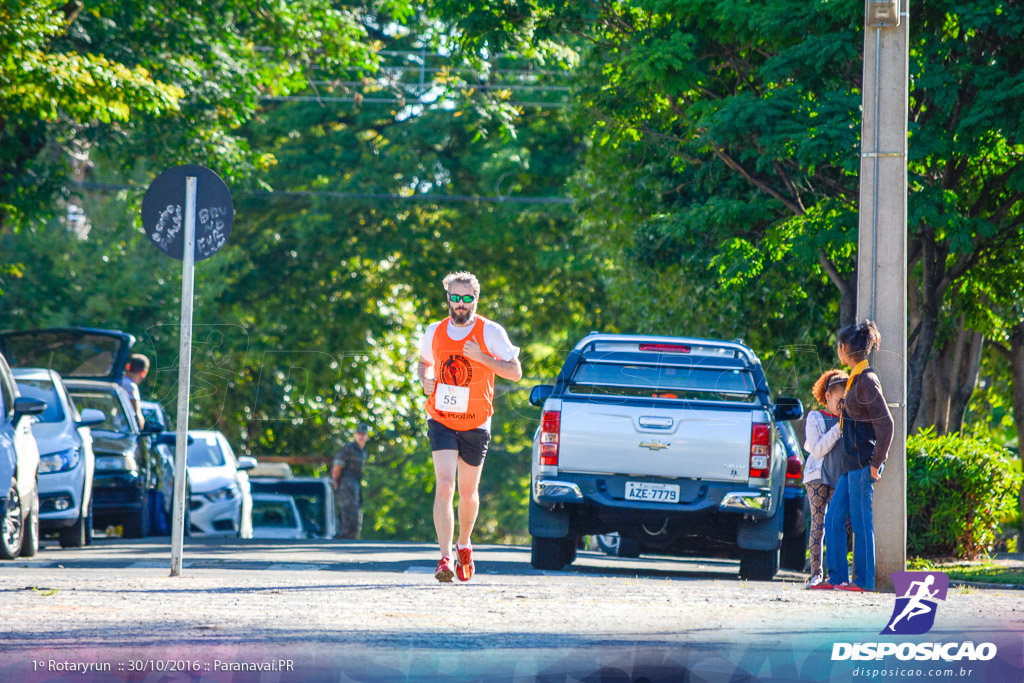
(914, 606)
(459, 357)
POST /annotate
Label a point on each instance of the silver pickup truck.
(664, 437)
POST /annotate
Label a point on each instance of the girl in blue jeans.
(866, 433)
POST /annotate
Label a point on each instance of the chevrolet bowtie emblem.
(654, 445)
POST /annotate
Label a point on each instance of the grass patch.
(984, 574)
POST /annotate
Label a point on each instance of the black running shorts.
(471, 445)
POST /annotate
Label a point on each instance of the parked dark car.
(162, 442)
(19, 469)
(128, 471)
(92, 362)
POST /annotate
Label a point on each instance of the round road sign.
(163, 211)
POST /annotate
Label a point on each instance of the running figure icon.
(916, 606)
(919, 595)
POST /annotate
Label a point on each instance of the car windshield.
(204, 451)
(273, 513)
(153, 414)
(70, 354)
(115, 418)
(663, 381)
(44, 390)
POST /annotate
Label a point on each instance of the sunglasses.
(464, 298)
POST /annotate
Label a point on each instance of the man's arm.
(507, 369)
(427, 383)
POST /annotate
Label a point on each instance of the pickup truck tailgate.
(708, 444)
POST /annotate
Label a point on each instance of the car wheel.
(76, 535)
(88, 525)
(138, 526)
(759, 565)
(548, 553)
(30, 537)
(13, 526)
(628, 547)
(609, 543)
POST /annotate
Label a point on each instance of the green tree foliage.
(733, 131)
(959, 490)
(161, 81)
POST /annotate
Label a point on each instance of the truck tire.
(548, 553)
(794, 538)
(628, 547)
(571, 545)
(759, 565)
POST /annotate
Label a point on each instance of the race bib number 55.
(451, 399)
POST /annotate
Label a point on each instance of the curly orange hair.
(829, 377)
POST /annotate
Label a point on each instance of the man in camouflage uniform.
(347, 473)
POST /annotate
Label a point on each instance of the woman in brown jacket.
(866, 432)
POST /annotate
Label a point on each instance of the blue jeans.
(853, 498)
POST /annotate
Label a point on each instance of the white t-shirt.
(132, 388)
(495, 338)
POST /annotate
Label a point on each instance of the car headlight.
(60, 461)
(226, 493)
(117, 462)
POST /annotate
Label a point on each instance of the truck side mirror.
(788, 408)
(540, 393)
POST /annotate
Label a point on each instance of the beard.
(460, 317)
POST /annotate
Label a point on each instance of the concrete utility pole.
(882, 256)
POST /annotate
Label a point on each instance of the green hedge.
(958, 490)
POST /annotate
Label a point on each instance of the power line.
(386, 100)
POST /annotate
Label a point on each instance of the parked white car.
(221, 501)
(66, 460)
(275, 515)
(19, 470)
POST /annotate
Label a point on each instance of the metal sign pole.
(184, 374)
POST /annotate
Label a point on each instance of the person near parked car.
(866, 429)
(824, 464)
(347, 474)
(459, 357)
(135, 372)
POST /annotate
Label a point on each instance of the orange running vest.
(451, 367)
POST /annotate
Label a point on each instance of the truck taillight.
(760, 450)
(794, 470)
(549, 425)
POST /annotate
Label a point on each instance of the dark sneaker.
(464, 568)
(444, 572)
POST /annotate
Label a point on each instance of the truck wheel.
(628, 547)
(794, 551)
(548, 553)
(759, 565)
(569, 548)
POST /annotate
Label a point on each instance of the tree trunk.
(1017, 370)
(964, 374)
(933, 267)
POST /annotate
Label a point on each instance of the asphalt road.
(373, 611)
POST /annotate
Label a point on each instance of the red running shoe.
(444, 571)
(464, 568)
(852, 587)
